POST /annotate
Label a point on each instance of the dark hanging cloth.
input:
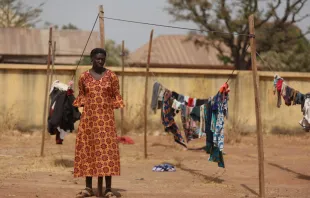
(175, 95)
(195, 114)
(71, 114)
(200, 102)
(209, 133)
(61, 112)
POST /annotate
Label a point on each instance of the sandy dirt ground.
(23, 173)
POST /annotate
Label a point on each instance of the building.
(30, 46)
(177, 51)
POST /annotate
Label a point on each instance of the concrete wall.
(22, 89)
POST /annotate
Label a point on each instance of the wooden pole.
(258, 109)
(52, 70)
(53, 62)
(145, 93)
(101, 26)
(123, 71)
(46, 90)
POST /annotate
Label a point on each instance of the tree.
(69, 27)
(221, 16)
(295, 59)
(49, 24)
(114, 52)
(14, 13)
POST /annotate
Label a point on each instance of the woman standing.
(96, 151)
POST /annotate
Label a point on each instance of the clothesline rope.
(85, 46)
(266, 63)
(176, 27)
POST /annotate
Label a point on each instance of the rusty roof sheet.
(23, 41)
(176, 50)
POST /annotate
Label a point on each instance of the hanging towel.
(176, 104)
(202, 119)
(154, 102)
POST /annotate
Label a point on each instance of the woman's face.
(98, 60)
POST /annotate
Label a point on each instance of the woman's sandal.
(110, 195)
(87, 192)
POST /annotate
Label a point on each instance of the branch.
(272, 12)
(296, 13)
(226, 15)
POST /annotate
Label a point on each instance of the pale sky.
(82, 13)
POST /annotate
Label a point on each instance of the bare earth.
(23, 173)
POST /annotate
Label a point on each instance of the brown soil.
(23, 173)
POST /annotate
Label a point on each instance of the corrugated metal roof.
(24, 41)
(176, 50)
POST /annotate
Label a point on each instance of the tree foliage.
(274, 32)
(69, 27)
(14, 13)
(114, 52)
(295, 59)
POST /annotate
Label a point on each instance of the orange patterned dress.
(96, 149)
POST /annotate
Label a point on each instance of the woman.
(96, 151)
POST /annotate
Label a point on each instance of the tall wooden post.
(53, 62)
(101, 26)
(257, 110)
(145, 93)
(122, 93)
(46, 90)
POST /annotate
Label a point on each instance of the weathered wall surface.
(22, 89)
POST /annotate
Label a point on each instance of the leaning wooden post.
(101, 26)
(257, 109)
(52, 70)
(145, 93)
(46, 90)
(122, 93)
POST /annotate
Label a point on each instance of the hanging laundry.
(196, 116)
(187, 123)
(202, 121)
(181, 98)
(305, 122)
(200, 102)
(200, 117)
(62, 114)
(175, 95)
(168, 119)
(191, 102)
(218, 137)
(155, 94)
(291, 97)
(215, 112)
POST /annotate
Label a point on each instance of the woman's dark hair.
(97, 51)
